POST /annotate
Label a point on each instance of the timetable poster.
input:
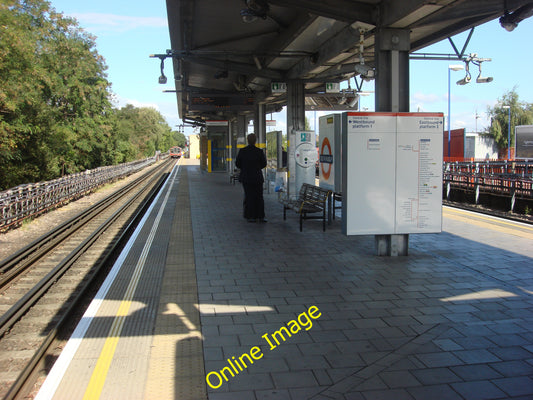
(419, 173)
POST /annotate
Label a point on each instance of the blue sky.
(129, 31)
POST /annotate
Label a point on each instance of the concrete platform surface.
(453, 320)
(227, 309)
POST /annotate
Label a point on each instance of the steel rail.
(19, 261)
(43, 349)
(8, 319)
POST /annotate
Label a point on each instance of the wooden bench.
(311, 200)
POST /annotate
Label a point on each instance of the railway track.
(43, 284)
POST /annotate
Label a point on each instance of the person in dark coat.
(251, 160)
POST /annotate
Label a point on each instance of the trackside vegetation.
(56, 111)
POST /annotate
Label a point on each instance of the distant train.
(176, 152)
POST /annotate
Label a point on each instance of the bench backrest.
(314, 193)
(303, 190)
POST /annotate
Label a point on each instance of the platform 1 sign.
(392, 173)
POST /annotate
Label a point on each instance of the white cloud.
(117, 23)
(425, 98)
(122, 102)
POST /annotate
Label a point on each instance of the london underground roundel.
(326, 158)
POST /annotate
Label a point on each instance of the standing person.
(251, 160)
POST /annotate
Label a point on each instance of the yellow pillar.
(209, 157)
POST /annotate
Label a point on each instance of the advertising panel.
(329, 148)
(524, 142)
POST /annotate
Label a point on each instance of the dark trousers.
(254, 205)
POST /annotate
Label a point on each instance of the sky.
(128, 31)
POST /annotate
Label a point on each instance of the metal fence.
(507, 178)
(24, 201)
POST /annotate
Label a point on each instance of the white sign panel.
(419, 173)
(369, 184)
(392, 173)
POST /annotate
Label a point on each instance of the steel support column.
(260, 125)
(295, 122)
(392, 95)
(392, 66)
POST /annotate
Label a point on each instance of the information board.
(392, 173)
(419, 173)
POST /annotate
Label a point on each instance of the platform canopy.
(230, 54)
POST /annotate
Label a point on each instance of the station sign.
(216, 123)
(333, 87)
(217, 102)
(278, 87)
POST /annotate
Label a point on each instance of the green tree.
(141, 131)
(178, 139)
(521, 114)
(54, 93)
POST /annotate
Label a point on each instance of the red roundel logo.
(325, 151)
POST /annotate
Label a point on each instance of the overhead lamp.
(459, 67)
(465, 80)
(248, 15)
(353, 103)
(362, 69)
(255, 9)
(343, 99)
(162, 78)
(509, 21)
(481, 79)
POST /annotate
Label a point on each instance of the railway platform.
(208, 306)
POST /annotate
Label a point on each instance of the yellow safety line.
(99, 375)
(493, 226)
(493, 220)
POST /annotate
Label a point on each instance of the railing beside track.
(512, 179)
(24, 201)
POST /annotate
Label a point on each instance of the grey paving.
(453, 320)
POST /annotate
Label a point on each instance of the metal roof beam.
(232, 66)
(344, 40)
(400, 14)
(341, 10)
